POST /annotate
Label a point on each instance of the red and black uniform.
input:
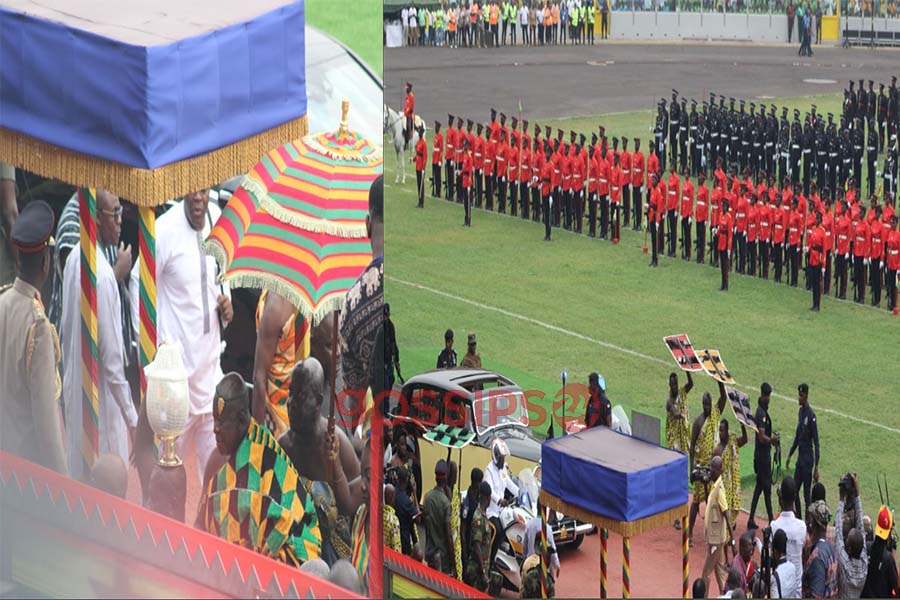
(565, 164)
(752, 235)
(437, 154)
(861, 240)
(687, 213)
(780, 222)
(740, 231)
(795, 234)
(653, 217)
(764, 212)
(449, 158)
(603, 191)
(409, 107)
(625, 165)
(674, 189)
(724, 235)
(537, 165)
(546, 185)
(828, 226)
(524, 178)
(578, 176)
(637, 188)
(701, 214)
(490, 149)
(421, 158)
(512, 166)
(478, 168)
(842, 234)
(715, 204)
(616, 178)
(501, 170)
(876, 259)
(466, 179)
(893, 266)
(816, 243)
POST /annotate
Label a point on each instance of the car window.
(493, 409)
(423, 405)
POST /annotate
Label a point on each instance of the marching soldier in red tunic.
(420, 159)
(437, 153)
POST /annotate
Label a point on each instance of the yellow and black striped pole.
(685, 563)
(604, 537)
(626, 567)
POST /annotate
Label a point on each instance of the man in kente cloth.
(325, 461)
(677, 437)
(252, 497)
(703, 443)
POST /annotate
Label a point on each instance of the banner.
(740, 405)
(714, 367)
(683, 352)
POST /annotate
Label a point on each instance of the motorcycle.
(507, 566)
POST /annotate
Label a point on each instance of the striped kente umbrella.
(311, 269)
(319, 182)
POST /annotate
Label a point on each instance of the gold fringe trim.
(258, 191)
(145, 187)
(264, 281)
(214, 248)
(623, 528)
(374, 157)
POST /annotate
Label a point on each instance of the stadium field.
(582, 305)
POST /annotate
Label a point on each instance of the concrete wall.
(698, 26)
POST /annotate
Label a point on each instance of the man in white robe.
(117, 414)
(193, 309)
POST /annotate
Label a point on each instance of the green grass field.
(584, 305)
(356, 23)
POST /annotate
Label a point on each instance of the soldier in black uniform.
(784, 150)
(871, 102)
(871, 155)
(712, 137)
(683, 135)
(447, 358)
(834, 147)
(862, 101)
(821, 155)
(660, 130)
(893, 109)
(796, 152)
(746, 138)
(888, 174)
(674, 124)
(772, 141)
(883, 101)
(734, 136)
(754, 137)
(856, 136)
(846, 158)
(850, 104)
(807, 142)
(693, 141)
(702, 143)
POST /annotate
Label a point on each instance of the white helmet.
(499, 449)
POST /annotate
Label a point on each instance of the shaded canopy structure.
(618, 483)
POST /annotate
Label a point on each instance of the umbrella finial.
(345, 108)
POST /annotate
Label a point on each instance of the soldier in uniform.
(796, 152)
(693, 139)
(30, 422)
(472, 360)
(857, 137)
(871, 100)
(755, 137)
(834, 152)
(458, 158)
(888, 175)
(447, 358)
(821, 155)
(637, 184)
(450, 157)
(883, 102)
(850, 103)
(478, 568)
(674, 124)
(808, 144)
(490, 148)
(437, 152)
(784, 150)
(712, 129)
(659, 130)
(683, 131)
(871, 154)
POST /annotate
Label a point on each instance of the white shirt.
(531, 531)
(540, 16)
(180, 313)
(523, 15)
(789, 579)
(413, 21)
(404, 16)
(795, 529)
(500, 481)
(116, 408)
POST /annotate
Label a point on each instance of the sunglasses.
(116, 213)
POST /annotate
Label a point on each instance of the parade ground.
(581, 305)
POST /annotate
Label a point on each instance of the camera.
(700, 474)
(846, 487)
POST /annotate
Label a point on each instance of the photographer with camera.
(703, 443)
(853, 560)
(762, 455)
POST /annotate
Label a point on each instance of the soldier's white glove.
(881, 264)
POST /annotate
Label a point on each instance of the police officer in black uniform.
(871, 155)
(784, 150)
(674, 124)
(447, 358)
(856, 136)
(762, 455)
(807, 142)
(660, 131)
(821, 154)
(796, 151)
(772, 141)
(883, 101)
(846, 158)
(834, 151)
(871, 102)
(734, 136)
(850, 104)
(693, 140)
(753, 136)
(683, 135)
(806, 439)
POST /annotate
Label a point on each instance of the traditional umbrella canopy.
(312, 270)
(319, 182)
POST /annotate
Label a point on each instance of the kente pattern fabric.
(677, 436)
(360, 557)
(731, 474)
(391, 529)
(254, 501)
(292, 347)
(706, 445)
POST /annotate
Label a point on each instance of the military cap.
(851, 84)
(33, 229)
(594, 139)
(572, 136)
(524, 124)
(537, 129)
(479, 127)
(450, 118)
(581, 139)
(752, 104)
(602, 130)
(783, 110)
(662, 101)
(683, 101)
(437, 125)
(471, 338)
(408, 85)
(547, 131)
(448, 335)
(493, 113)
(559, 134)
(459, 121)
(743, 102)
(674, 92)
(693, 102)
(893, 78)
(881, 85)
(515, 122)
(624, 140)
(502, 117)
(469, 123)
(871, 83)
(830, 116)
(615, 141)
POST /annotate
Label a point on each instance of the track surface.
(573, 81)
